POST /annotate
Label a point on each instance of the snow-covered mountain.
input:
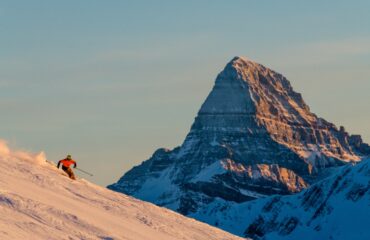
(337, 207)
(254, 136)
(38, 202)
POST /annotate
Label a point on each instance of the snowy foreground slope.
(337, 208)
(38, 202)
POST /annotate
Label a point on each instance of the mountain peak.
(253, 136)
(253, 73)
(241, 63)
(243, 59)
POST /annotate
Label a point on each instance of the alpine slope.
(37, 201)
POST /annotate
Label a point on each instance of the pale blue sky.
(111, 81)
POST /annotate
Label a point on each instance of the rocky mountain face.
(254, 136)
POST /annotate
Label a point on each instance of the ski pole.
(84, 171)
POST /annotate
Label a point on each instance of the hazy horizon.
(110, 82)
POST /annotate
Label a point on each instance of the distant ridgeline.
(254, 136)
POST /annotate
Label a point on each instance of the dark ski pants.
(69, 171)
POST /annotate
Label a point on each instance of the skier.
(66, 163)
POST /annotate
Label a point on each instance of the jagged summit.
(245, 65)
(243, 79)
(242, 60)
(253, 136)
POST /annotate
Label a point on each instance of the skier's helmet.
(69, 157)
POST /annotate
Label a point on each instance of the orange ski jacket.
(67, 163)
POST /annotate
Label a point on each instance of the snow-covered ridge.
(334, 208)
(38, 202)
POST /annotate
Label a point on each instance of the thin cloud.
(324, 52)
(347, 47)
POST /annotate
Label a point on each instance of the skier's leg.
(71, 174)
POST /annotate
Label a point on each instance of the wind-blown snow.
(9, 155)
(38, 202)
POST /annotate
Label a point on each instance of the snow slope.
(38, 202)
(337, 208)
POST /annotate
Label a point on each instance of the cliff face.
(253, 136)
